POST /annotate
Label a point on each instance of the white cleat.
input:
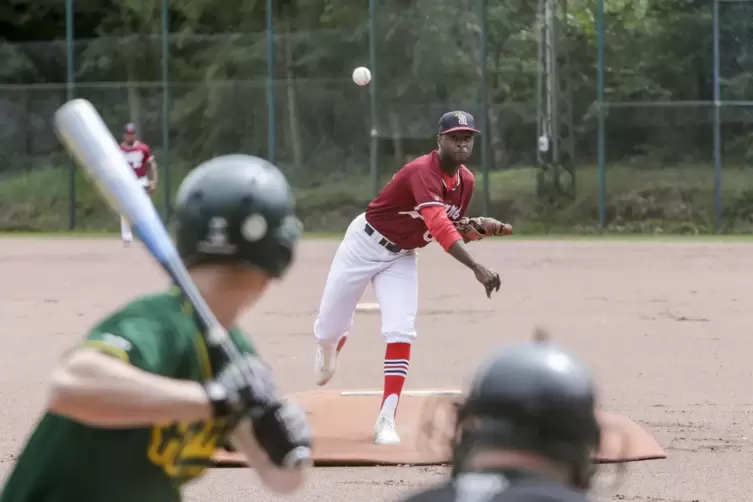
(325, 362)
(385, 432)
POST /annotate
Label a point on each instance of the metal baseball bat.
(90, 143)
(88, 140)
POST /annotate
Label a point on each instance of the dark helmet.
(237, 208)
(531, 397)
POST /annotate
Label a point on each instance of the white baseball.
(361, 75)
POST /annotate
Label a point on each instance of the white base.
(414, 393)
(367, 307)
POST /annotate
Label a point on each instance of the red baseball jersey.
(395, 211)
(138, 155)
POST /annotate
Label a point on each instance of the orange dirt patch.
(341, 423)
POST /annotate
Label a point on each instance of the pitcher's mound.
(343, 428)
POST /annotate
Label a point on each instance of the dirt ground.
(666, 327)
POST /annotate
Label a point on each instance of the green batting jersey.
(65, 460)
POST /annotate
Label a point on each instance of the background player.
(140, 406)
(139, 156)
(416, 207)
(526, 431)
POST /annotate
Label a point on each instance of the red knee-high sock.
(396, 363)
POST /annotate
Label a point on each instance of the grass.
(678, 199)
(517, 183)
(638, 199)
(332, 236)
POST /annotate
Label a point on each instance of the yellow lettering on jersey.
(184, 450)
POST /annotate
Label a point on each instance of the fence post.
(70, 82)
(166, 104)
(271, 100)
(374, 130)
(717, 125)
(600, 110)
(485, 126)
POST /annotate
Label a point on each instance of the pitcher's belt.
(389, 246)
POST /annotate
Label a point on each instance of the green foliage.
(678, 200)
(428, 61)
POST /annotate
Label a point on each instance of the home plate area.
(343, 426)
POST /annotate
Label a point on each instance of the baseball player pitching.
(425, 200)
(138, 408)
(140, 158)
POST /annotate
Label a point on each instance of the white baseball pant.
(125, 229)
(360, 259)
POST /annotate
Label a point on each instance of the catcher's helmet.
(237, 208)
(531, 397)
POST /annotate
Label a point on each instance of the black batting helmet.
(237, 208)
(533, 397)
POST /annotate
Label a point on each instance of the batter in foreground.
(526, 432)
(426, 200)
(139, 407)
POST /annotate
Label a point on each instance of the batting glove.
(243, 387)
(283, 432)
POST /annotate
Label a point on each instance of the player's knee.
(399, 328)
(330, 331)
(399, 336)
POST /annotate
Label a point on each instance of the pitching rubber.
(410, 393)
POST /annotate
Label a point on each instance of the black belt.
(389, 246)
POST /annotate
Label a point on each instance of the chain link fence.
(659, 113)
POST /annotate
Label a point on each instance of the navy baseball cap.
(130, 127)
(457, 121)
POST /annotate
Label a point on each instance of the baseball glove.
(473, 229)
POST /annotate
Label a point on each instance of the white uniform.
(380, 247)
(125, 229)
(361, 260)
(138, 155)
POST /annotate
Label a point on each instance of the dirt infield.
(666, 326)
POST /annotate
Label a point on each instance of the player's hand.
(283, 432)
(151, 187)
(243, 387)
(488, 278)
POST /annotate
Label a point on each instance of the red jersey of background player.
(395, 211)
(138, 156)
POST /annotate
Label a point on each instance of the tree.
(427, 61)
